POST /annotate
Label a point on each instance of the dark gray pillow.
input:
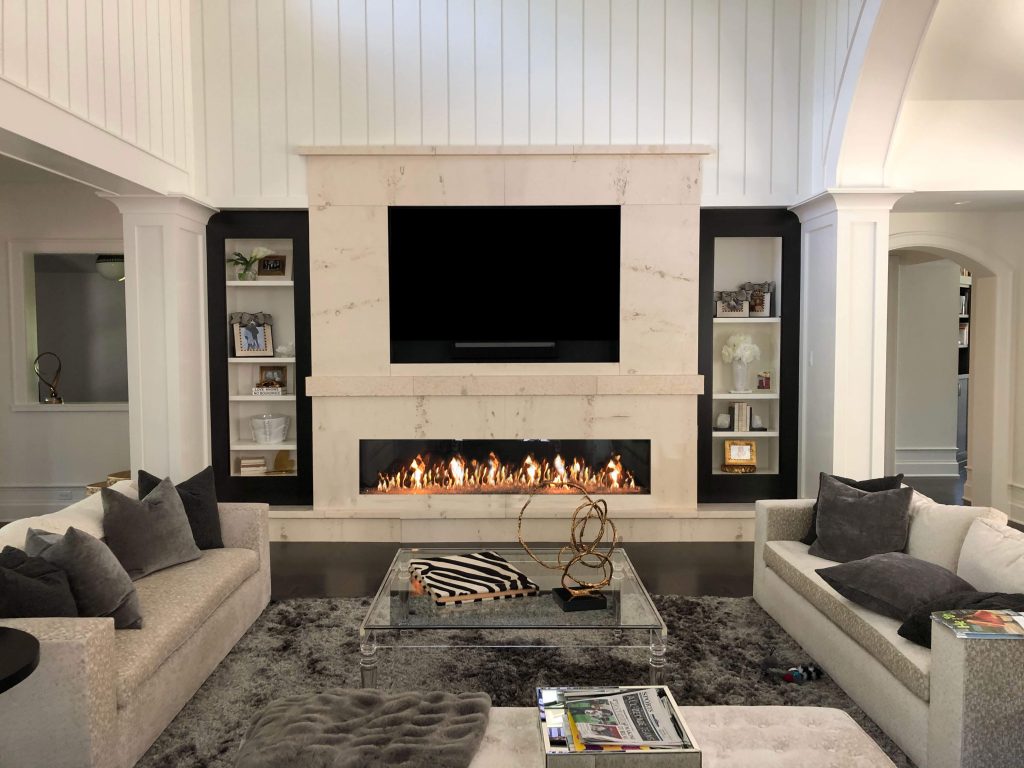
(872, 486)
(150, 534)
(853, 524)
(199, 497)
(917, 627)
(32, 587)
(892, 584)
(99, 583)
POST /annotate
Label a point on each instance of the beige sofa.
(100, 696)
(959, 704)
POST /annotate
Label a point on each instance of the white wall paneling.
(277, 74)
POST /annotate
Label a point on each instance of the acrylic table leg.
(368, 660)
(657, 658)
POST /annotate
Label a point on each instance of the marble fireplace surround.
(358, 393)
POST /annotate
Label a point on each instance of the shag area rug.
(715, 649)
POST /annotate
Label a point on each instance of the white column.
(168, 361)
(843, 326)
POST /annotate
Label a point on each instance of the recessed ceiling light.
(961, 202)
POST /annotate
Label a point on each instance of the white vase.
(740, 377)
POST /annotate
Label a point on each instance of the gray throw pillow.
(892, 584)
(150, 534)
(199, 497)
(854, 524)
(98, 582)
(32, 586)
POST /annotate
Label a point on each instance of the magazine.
(638, 718)
(974, 623)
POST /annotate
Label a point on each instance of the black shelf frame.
(293, 225)
(750, 222)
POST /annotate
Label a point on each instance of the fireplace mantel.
(501, 386)
(510, 150)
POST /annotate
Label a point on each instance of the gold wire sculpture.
(585, 552)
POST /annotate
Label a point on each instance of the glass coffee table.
(398, 618)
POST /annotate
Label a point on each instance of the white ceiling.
(961, 202)
(974, 49)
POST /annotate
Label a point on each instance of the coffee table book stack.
(618, 726)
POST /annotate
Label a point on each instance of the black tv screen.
(504, 283)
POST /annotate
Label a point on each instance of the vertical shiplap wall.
(122, 65)
(275, 74)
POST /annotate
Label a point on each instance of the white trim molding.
(927, 462)
(17, 502)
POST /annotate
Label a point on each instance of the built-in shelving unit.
(756, 246)
(287, 477)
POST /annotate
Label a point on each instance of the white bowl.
(270, 428)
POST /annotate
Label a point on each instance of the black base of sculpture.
(592, 602)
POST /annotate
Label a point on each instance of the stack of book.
(458, 579)
(741, 413)
(253, 466)
(614, 725)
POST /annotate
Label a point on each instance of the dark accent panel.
(750, 222)
(259, 224)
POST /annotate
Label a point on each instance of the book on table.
(457, 579)
(982, 623)
(614, 726)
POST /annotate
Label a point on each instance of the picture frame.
(274, 265)
(732, 304)
(248, 343)
(740, 453)
(278, 374)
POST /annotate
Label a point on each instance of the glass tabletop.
(397, 607)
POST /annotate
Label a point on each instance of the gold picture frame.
(277, 374)
(740, 453)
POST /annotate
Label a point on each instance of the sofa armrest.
(65, 713)
(246, 526)
(782, 519)
(975, 706)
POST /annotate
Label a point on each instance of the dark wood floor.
(314, 569)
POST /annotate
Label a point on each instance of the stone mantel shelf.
(508, 149)
(498, 386)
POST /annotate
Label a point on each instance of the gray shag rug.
(715, 649)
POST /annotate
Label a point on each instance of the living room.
(723, 296)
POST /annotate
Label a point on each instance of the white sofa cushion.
(876, 634)
(937, 531)
(992, 558)
(85, 515)
(175, 603)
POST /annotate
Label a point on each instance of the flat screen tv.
(504, 283)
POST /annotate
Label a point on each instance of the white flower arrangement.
(740, 348)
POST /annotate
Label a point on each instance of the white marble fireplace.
(650, 394)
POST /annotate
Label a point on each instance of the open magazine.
(975, 623)
(639, 718)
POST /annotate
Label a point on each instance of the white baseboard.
(31, 500)
(927, 462)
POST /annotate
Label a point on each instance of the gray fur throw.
(363, 728)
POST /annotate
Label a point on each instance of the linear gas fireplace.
(504, 466)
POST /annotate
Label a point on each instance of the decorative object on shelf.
(284, 464)
(740, 351)
(270, 428)
(592, 553)
(246, 264)
(268, 389)
(764, 380)
(273, 264)
(756, 425)
(286, 350)
(724, 422)
(53, 396)
(252, 466)
(110, 266)
(740, 456)
(274, 375)
(760, 298)
(732, 304)
(252, 333)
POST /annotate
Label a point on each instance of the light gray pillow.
(892, 584)
(854, 524)
(99, 583)
(151, 534)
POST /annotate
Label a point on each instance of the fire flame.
(457, 475)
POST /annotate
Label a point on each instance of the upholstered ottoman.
(729, 737)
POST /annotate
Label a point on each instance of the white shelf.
(727, 435)
(261, 360)
(758, 471)
(744, 320)
(740, 396)
(260, 283)
(250, 445)
(261, 398)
